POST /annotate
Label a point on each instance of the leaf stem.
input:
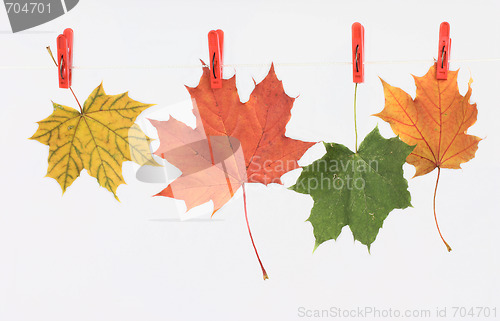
(355, 121)
(264, 273)
(434, 206)
(51, 55)
(81, 110)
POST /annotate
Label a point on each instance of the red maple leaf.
(233, 142)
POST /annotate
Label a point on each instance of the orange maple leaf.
(258, 126)
(233, 142)
(436, 121)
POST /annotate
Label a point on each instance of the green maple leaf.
(356, 189)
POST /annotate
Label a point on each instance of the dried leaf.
(99, 139)
(233, 143)
(226, 127)
(436, 121)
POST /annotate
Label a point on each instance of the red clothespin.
(65, 58)
(358, 53)
(443, 62)
(216, 47)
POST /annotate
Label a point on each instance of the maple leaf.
(436, 121)
(356, 189)
(98, 138)
(233, 142)
(258, 126)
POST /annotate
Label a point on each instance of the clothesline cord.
(280, 64)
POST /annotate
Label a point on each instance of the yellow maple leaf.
(99, 138)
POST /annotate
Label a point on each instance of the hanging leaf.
(98, 138)
(356, 189)
(233, 142)
(436, 121)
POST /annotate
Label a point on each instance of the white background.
(85, 256)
